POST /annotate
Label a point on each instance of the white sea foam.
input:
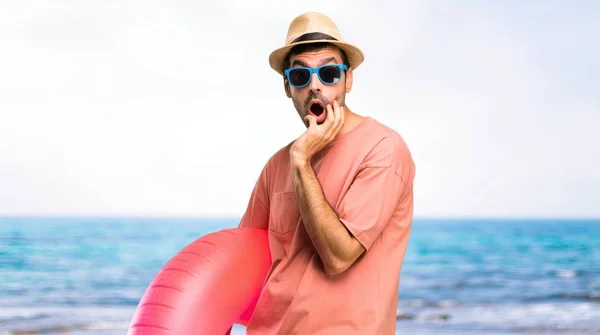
(509, 317)
(566, 273)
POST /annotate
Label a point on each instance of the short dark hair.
(300, 48)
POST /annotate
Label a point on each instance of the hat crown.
(312, 22)
(319, 24)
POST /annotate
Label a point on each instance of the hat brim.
(354, 54)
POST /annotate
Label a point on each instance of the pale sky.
(170, 108)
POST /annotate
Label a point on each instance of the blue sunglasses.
(329, 74)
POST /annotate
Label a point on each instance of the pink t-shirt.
(367, 178)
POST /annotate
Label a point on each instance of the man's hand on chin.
(317, 136)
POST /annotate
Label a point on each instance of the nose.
(315, 83)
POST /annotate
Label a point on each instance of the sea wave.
(66, 328)
(557, 317)
(582, 297)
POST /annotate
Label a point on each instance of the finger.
(336, 113)
(330, 116)
(326, 125)
(339, 112)
(312, 121)
(330, 122)
(343, 115)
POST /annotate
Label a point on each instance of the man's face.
(314, 97)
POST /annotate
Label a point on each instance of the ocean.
(85, 276)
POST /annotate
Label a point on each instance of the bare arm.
(337, 248)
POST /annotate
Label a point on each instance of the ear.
(349, 77)
(286, 87)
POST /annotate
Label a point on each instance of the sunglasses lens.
(299, 77)
(330, 74)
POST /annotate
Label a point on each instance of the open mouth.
(317, 109)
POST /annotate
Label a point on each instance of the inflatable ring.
(207, 287)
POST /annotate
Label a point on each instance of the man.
(337, 201)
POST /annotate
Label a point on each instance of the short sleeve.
(257, 210)
(370, 202)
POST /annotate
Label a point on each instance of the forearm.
(337, 248)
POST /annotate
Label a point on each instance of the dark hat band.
(313, 37)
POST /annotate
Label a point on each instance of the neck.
(351, 120)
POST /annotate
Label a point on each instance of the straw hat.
(314, 22)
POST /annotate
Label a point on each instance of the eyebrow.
(325, 61)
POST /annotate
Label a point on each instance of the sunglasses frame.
(311, 70)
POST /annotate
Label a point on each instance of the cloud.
(170, 108)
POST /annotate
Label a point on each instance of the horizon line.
(238, 217)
